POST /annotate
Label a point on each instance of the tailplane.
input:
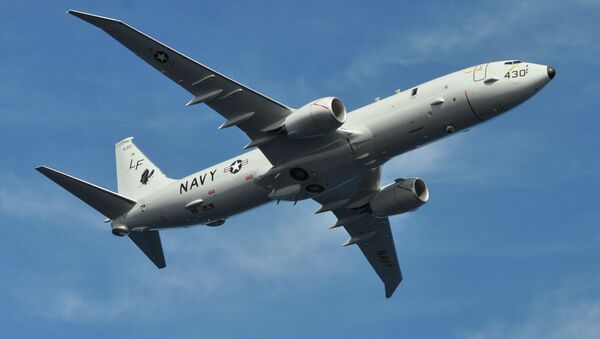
(137, 175)
(110, 204)
(149, 242)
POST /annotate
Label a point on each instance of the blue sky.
(508, 246)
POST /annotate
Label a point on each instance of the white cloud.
(430, 159)
(53, 299)
(290, 251)
(556, 316)
(20, 198)
(292, 241)
(522, 29)
(73, 305)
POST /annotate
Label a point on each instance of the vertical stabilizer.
(137, 175)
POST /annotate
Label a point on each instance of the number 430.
(516, 73)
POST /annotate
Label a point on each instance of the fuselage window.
(414, 91)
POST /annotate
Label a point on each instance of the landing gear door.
(479, 73)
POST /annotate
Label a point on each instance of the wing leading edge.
(372, 235)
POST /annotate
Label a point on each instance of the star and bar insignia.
(236, 166)
(161, 57)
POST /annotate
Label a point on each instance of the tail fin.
(109, 203)
(137, 176)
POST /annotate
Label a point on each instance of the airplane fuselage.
(371, 135)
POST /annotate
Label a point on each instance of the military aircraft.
(318, 151)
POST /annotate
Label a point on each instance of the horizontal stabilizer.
(109, 203)
(149, 243)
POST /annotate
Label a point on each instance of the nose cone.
(551, 72)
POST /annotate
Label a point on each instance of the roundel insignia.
(236, 166)
(161, 57)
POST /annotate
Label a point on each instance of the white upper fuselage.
(370, 136)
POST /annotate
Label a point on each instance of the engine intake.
(400, 197)
(317, 118)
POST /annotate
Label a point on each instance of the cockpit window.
(513, 62)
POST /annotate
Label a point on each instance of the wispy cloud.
(277, 247)
(430, 159)
(69, 303)
(207, 263)
(21, 199)
(495, 30)
(562, 314)
(73, 305)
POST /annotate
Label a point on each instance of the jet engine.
(402, 196)
(319, 117)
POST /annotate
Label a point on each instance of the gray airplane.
(318, 151)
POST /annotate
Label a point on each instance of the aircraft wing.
(251, 111)
(372, 235)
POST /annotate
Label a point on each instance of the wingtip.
(42, 168)
(389, 290)
(77, 13)
(49, 171)
(89, 17)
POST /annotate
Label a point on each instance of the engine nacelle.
(399, 197)
(120, 231)
(319, 117)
